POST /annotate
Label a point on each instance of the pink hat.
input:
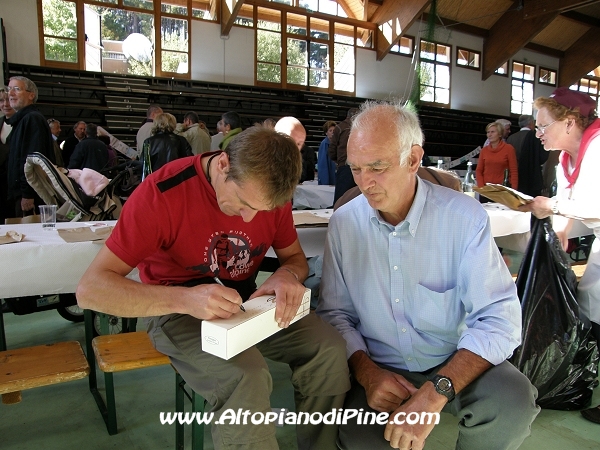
(574, 100)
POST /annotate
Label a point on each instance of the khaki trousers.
(314, 350)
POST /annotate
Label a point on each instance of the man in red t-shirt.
(216, 215)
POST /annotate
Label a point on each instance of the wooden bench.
(43, 365)
(129, 351)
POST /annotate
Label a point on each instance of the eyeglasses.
(17, 89)
(542, 128)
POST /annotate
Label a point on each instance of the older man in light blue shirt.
(413, 281)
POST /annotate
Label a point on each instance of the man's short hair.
(192, 117)
(505, 122)
(77, 124)
(327, 125)
(104, 139)
(261, 154)
(404, 124)
(232, 119)
(153, 109)
(91, 130)
(29, 86)
(164, 123)
(352, 112)
(525, 120)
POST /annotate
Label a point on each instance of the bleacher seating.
(119, 102)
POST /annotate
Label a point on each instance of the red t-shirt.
(172, 229)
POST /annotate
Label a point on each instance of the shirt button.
(397, 300)
(394, 233)
(395, 267)
(404, 330)
(409, 359)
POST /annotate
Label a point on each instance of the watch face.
(444, 384)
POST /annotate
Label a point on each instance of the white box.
(226, 338)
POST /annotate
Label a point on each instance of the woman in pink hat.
(567, 121)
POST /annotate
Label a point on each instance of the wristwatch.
(443, 385)
(554, 207)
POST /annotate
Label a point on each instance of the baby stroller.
(55, 188)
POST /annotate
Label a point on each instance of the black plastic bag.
(557, 354)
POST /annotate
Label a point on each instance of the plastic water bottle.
(439, 164)
(469, 181)
(146, 164)
(506, 181)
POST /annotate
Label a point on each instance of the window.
(245, 17)
(344, 62)
(406, 46)
(125, 40)
(59, 42)
(268, 46)
(119, 36)
(547, 76)
(590, 85)
(298, 50)
(364, 37)
(502, 70)
(523, 76)
(434, 73)
(174, 45)
(468, 58)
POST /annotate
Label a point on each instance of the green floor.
(65, 416)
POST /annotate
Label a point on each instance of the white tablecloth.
(310, 195)
(44, 263)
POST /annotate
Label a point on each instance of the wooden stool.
(31, 367)
(128, 351)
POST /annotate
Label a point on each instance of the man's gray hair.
(401, 118)
(29, 86)
(504, 122)
(525, 120)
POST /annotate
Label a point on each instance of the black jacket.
(308, 163)
(68, 148)
(30, 134)
(166, 147)
(90, 153)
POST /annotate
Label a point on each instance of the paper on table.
(84, 234)
(505, 195)
(306, 219)
(11, 237)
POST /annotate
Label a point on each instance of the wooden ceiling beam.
(532, 9)
(229, 12)
(401, 15)
(581, 18)
(392, 9)
(509, 34)
(458, 26)
(580, 59)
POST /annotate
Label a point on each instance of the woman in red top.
(495, 158)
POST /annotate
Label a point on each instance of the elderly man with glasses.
(30, 133)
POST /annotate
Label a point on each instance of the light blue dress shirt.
(411, 295)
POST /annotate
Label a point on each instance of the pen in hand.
(221, 283)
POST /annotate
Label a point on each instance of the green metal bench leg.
(179, 407)
(198, 404)
(108, 409)
(2, 335)
(111, 419)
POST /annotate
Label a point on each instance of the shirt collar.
(414, 213)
